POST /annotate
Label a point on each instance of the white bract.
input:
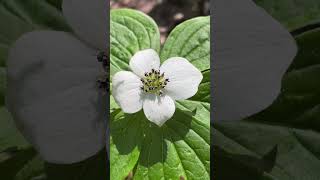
(153, 87)
(52, 91)
(249, 59)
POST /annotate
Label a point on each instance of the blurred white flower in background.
(52, 91)
(251, 53)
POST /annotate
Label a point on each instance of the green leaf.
(18, 17)
(203, 94)
(17, 158)
(181, 147)
(32, 169)
(191, 40)
(20, 164)
(56, 3)
(297, 153)
(244, 166)
(37, 13)
(291, 122)
(9, 135)
(298, 103)
(113, 105)
(126, 136)
(130, 31)
(292, 13)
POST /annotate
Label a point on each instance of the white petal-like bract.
(144, 61)
(126, 91)
(184, 78)
(158, 109)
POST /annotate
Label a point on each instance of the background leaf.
(291, 122)
(293, 14)
(9, 135)
(18, 17)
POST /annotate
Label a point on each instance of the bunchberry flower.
(154, 88)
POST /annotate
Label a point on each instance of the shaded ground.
(167, 13)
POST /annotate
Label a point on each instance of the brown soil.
(167, 13)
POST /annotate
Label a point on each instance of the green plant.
(181, 147)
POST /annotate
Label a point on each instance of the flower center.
(154, 82)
